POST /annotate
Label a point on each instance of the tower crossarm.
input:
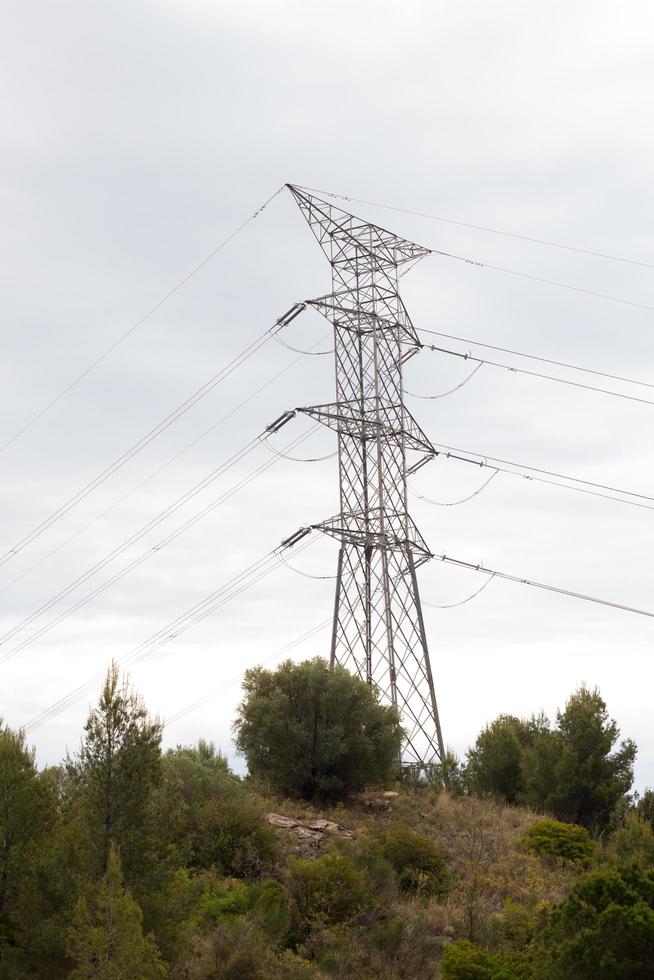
(365, 420)
(383, 311)
(340, 233)
(371, 529)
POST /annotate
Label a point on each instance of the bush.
(226, 898)
(210, 815)
(417, 860)
(645, 807)
(463, 960)
(604, 928)
(314, 732)
(633, 843)
(271, 908)
(567, 841)
(327, 890)
(395, 946)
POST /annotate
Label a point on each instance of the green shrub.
(463, 960)
(225, 899)
(633, 843)
(417, 860)
(566, 841)
(211, 819)
(271, 907)
(517, 925)
(328, 889)
(603, 929)
(645, 806)
(405, 946)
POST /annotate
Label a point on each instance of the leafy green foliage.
(212, 820)
(566, 841)
(576, 772)
(106, 940)
(450, 775)
(314, 732)
(116, 773)
(199, 902)
(463, 960)
(645, 807)
(604, 928)
(28, 813)
(394, 945)
(237, 950)
(494, 765)
(633, 842)
(417, 860)
(327, 890)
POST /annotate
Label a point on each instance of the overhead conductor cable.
(139, 322)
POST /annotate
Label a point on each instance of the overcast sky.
(134, 137)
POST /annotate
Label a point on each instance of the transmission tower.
(378, 629)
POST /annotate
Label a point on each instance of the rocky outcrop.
(309, 830)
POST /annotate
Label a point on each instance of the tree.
(604, 928)
(27, 813)
(576, 772)
(116, 772)
(645, 806)
(494, 766)
(211, 818)
(315, 732)
(106, 940)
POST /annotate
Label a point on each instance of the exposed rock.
(277, 820)
(304, 833)
(309, 829)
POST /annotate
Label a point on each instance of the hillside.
(494, 884)
(130, 862)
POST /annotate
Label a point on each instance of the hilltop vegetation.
(526, 861)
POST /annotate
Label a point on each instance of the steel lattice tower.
(378, 629)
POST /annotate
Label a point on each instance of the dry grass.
(479, 838)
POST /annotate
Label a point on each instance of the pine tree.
(116, 773)
(578, 772)
(106, 940)
(26, 810)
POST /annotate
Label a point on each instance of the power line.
(133, 539)
(540, 585)
(139, 322)
(158, 470)
(237, 680)
(483, 460)
(532, 374)
(534, 357)
(448, 452)
(462, 500)
(491, 231)
(153, 549)
(451, 391)
(170, 419)
(542, 280)
(462, 602)
(198, 612)
(515, 272)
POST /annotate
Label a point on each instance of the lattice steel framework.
(378, 630)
